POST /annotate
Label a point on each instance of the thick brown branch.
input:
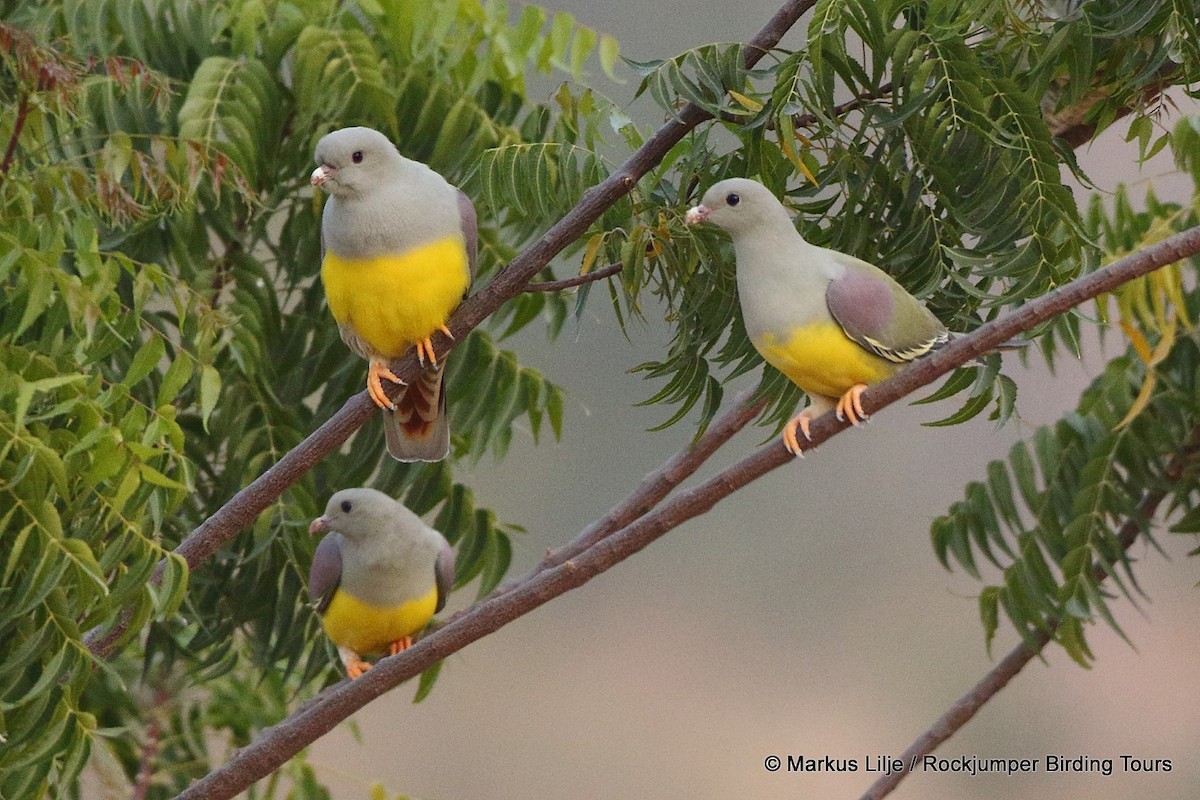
(240, 511)
(578, 280)
(1073, 125)
(275, 746)
(964, 708)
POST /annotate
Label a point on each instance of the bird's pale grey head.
(351, 160)
(738, 205)
(357, 513)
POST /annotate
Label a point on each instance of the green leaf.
(970, 409)
(147, 358)
(210, 392)
(428, 679)
(610, 51)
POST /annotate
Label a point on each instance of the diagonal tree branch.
(247, 504)
(963, 709)
(1076, 125)
(276, 745)
(661, 482)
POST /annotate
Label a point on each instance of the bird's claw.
(375, 372)
(850, 407)
(790, 441)
(425, 350)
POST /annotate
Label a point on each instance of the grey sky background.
(806, 615)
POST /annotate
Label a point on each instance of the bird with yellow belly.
(832, 323)
(378, 576)
(398, 256)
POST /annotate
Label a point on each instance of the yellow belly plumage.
(394, 301)
(365, 628)
(821, 359)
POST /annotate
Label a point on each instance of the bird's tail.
(417, 430)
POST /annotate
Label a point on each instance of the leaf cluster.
(165, 338)
(927, 138)
(1059, 515)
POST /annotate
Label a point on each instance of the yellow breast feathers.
(821, 359)
(365, 628)
(394, 301)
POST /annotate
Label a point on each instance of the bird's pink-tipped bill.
(321, 174)
(697, 214)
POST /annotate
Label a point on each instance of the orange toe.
(446, 331)
(425, 352)
(376, 371)
(400, 645)
(790, 441)
(849, 405)
(355, 669)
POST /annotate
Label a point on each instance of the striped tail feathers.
(418, 430)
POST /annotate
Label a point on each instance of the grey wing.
(325, 575)
(469, 223)
(443, 575)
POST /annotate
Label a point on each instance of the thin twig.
(276, 745)
(151, 745)
(809, 120)
(18, 125)
(854, 103)
(578, 280)
(964, 708)
(242, 509)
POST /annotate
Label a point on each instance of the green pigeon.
(398, 249)
(378, 576)
(832, 323)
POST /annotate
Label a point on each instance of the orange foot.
(379, 369)
(849, 405)
(400, 645)
(425, 347)
(355, 666)
(800, 421)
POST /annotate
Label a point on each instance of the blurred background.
(806, 615)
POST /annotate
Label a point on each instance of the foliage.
(164, 340)
(929, 149)
(1059, 515)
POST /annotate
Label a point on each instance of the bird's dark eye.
(356, 156)
(346, 506)
(732, 199)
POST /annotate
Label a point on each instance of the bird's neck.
(772, 254)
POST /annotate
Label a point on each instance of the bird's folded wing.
(443, 573)
(468, 223)
(325, 575)
(878, 314)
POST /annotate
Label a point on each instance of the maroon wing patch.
(325, 575)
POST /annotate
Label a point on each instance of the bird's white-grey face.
(737, 205)
(352, 159)
(355, 513)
